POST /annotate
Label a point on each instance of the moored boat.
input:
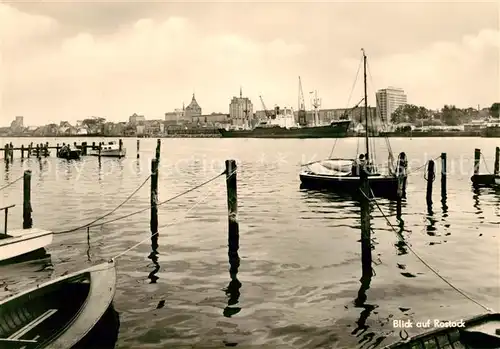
(59, 313)
(343, 175)
(69, 152)
(21, 242)
(111, 149)
(482, 331)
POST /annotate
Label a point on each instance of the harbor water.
(300, 250)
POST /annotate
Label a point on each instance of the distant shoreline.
(390, 135)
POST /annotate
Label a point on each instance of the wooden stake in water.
(138, 146)
(497, 161)
(366, 250)
(154, 197)
(431, 174)
(477, 160)
(158, 148)
(443, 176)
(232, 206)
(22, 151)
(27, 219)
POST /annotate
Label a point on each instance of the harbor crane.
(269, 113)
(302, 106)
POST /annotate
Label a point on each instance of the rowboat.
(21, 242)
(482, 331)
(59, 313)
(69, 152)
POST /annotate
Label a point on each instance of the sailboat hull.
(381, 186)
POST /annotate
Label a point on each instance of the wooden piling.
(29, 149)
(232, 206)
(138, 146)
(154, 197)
(443, 175)
(120, 145)
(497, 161)
(6, 152)
(477, 160)
(100, 148)
(430, 179)
(158, 148)
(22, 151)
(27, 219)
(11, 151)
(366, 250)
(37, 149)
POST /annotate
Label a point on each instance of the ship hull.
(337, 130)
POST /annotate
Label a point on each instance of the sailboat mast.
(366, 109)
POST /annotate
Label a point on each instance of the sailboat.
(342, 174)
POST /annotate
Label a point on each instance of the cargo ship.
(280, 123)
(336, 129)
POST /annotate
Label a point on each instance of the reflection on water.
(154, 258)
(477, 204)
(104, 334)
(301, 250)
(232, 291)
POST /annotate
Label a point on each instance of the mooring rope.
(210, 192)
(144, 209)
(485, 164)
(421, 259)
(9, 184)
(109, 213)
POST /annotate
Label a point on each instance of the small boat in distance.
(482, 331)
(69, 152)
(343, 174)
(59, 313)
(112, 149)
(21, 242)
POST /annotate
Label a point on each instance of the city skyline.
(70, 61)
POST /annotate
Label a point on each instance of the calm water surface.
(300, 251)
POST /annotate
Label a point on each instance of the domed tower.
(193, 109)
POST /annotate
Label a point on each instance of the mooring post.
(443, 175)
(29, 150)
(22, 151)
(154, 197)
(366, 250)
(477, 161)
(11, 151)
(430, 179)
(27, 219)
(497, 161)
(6, 152)
(158, 148)
(37, 151)
(120, 145)
(100, 148)
(232, 206)
(138, 146)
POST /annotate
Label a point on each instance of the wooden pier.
(41, 150)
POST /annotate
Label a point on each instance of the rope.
(485, 164)
(171, 223)
(9, 184)
(88, 225)
(424, 262)
(147, 208)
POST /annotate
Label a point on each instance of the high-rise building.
(388, 100)
(240, 110)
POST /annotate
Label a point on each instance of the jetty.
(42, 150)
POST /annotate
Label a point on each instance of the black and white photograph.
(250, 174)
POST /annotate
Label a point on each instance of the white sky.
(68, 61)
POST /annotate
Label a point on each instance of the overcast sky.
(71, 60)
